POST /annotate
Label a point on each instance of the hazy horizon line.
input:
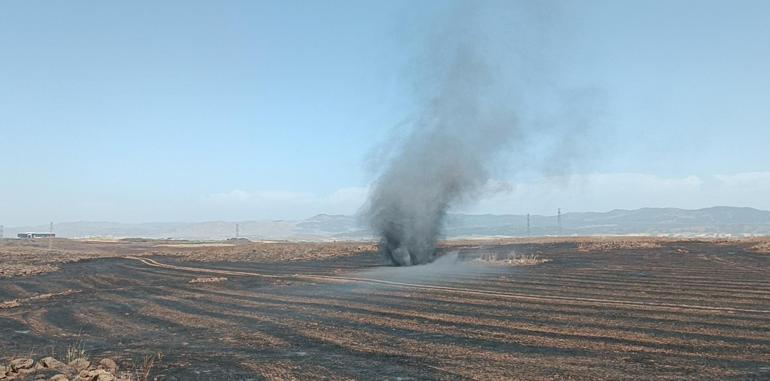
(276, 220)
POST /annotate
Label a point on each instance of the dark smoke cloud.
(476, 88)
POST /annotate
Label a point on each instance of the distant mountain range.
(716, 221)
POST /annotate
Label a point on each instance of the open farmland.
(585, 309)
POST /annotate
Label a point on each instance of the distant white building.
(35, 235)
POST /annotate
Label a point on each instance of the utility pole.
(50, 237)
(237, 231)
(528, 231)
(558, 219)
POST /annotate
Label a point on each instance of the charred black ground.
(559, 322)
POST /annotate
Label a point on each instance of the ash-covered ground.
(582, 309)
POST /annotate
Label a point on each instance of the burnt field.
(594, 309)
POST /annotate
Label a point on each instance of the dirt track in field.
(677, 310)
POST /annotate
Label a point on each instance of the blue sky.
(189, 111)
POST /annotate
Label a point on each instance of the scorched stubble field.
(584, 309)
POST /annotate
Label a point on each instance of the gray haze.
(474, 87)
(709, 222)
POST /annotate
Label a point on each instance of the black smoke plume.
(471, 88)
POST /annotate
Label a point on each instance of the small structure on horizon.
(35, 235)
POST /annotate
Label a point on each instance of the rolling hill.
(714, 221)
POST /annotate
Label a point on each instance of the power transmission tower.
(558, 219)
(1, 231)
(237, 231)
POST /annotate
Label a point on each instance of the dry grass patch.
(762, 247)
(617, 244)
(213, 279)
(38, 297)
(270, 251)
(33, 257)
(510, 259)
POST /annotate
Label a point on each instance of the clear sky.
(245, 110)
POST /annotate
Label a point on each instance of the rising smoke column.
(468, 117)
